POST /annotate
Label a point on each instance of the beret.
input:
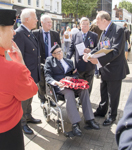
(53, 48)
(7, 17)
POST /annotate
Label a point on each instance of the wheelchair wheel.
(46, 112)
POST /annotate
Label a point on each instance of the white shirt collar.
(26, 28)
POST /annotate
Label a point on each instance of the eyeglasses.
(57, 53)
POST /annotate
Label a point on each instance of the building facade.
(50, 7)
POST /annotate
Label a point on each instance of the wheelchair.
(51, 95)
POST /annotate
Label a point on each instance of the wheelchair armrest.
(53, 94)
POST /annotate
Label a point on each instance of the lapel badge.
(29, 35)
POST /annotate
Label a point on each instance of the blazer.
(54, 70)
(77, 39)
(124, 127)
(54, 38)
(30, 50)
(114, 65)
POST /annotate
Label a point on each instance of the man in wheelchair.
(57, 68)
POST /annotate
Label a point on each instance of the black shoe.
(92, 124)
(76, 130)
(52, 104)
(27, 130)
(96, 114)
(108, 121)
(33, 120)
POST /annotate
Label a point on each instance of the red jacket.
(16, 85)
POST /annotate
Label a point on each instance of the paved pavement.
(45, 135)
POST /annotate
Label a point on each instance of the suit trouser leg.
(89, 76)
(103, 105)
(86, 104)
(71, 106)
(41, 86)
(26, 106)
(110, 94)
(114, 89)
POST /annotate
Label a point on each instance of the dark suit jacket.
(114, 65)
(54, 38)
(127, 35)
(30, 51)
(54, 70)
(79, 62)
(124, 127)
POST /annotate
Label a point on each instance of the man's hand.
(15, 53)
(68, 78)
(87, 50)
(93, 60)
(85, 57)
(61, 85)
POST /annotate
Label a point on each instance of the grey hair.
(84, 19)
(43, 17)
(26, 13)
(74, 25)
(103, 15)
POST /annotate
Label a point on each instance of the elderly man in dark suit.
(90, 40)
(29, 47)
(113, 66)
(124, 127)
(56, 68)
(46, 38)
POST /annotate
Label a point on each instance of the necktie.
(62, 66)
(46, 44)
(84, 37)
(32, 35)
(103, 35)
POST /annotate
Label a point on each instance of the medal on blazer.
(55, 43)
(105, 44)
(91, 42)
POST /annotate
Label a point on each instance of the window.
(37, 3)
(50, 5)
(29, 2)
(58, 7)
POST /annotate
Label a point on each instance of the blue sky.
(114, 2)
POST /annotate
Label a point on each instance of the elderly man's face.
(32, 21)
(84, 26)
(101, 23)
(58, 53)
(47, 24)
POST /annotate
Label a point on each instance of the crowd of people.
(28, 48)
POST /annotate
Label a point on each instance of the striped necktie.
(46, 44)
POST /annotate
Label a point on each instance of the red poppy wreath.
(75, 83)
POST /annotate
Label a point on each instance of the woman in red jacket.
(15, 81)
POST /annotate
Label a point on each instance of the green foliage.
(78, 7)
(126, 5)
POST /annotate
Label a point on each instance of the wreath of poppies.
(75, 83)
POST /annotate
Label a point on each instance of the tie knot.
(46, 33)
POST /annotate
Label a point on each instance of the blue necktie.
(84, 37)
(46, 44)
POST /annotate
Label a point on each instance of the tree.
(78, 8)
(126, 5)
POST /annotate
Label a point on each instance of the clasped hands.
(86, 57)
